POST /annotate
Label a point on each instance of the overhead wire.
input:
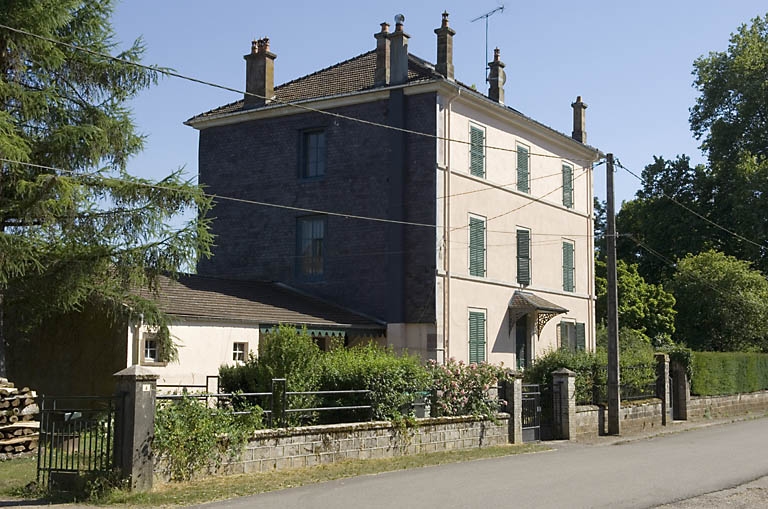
(295, 104)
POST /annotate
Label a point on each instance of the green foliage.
(74, 226)
(463, 389)
(644, 307)
(682, 355)
(394, 380)
(190, 437)
(715, 373)
(585, 364)
(731, 111)
(722, 303)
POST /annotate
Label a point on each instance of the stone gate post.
(565, 404)
(513, 391)
(136, 387)
(662, 384)
(681, 391)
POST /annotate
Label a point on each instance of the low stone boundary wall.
(708, 407)
(278, 449)
(591, 420)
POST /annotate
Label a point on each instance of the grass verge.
(16, 474)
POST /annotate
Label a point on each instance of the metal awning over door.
(523, 303)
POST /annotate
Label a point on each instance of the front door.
(521, 342)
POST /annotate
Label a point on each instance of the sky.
(630, 61)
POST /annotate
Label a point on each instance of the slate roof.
(260, 302)
(353, 75)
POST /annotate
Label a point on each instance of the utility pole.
(614, 395)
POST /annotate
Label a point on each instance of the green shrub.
(585, 364)
(717, 373)
(190, 437)
(394, 380)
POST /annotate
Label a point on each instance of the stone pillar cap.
(138, 372)
(564, 371)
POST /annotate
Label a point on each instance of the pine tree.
(75, 227)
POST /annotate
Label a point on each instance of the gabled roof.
(259, 302)
(353, 75)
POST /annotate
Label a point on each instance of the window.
(476, 246)
(524, 257)
(476, 336)
(573, 336)
(239, 352)
(523, 170)
(313, 154)
(568, 269)
(150, 349)
(310, 235)
(568, 186)
(477, 151)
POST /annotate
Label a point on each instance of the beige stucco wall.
(496, 199)
(203, 347)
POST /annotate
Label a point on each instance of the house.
(385, 185)
(213, 322)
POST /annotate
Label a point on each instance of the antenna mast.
(486, 16)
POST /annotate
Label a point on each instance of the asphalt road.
(668, 469)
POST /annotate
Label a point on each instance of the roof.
(260, 302)
(353, 75)
(529, 301)
(356, 75)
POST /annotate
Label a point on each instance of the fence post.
(135, 425)
(567, 407)
(279, 401)
(681, 391)
(662, 384)
(513, 391)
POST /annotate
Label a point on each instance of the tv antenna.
(486, 16)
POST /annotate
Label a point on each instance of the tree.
(75, 228)
(722, 303)
(643, 307)
(731, 113)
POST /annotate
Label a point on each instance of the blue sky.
(630, 61)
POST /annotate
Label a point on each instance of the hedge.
(718, 373)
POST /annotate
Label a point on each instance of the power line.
(716, 225)
(294, 104)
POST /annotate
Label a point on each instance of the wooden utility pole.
(614, 395)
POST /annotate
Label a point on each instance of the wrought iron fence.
(77, 437)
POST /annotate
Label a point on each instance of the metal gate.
(531, 413)
(77, 437)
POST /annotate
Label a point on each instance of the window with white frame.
(477, 151)
(239, 352)
(523, 169)
(151, 348)
(568, 266)
(477, 245)
(572, 335)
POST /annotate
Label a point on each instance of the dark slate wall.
(259, 160)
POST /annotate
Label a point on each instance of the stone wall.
(279, 449)
(591, 420)
(709, 407)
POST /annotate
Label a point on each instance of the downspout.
(447, 225)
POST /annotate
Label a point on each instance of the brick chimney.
(579, 122)
(259, 74)
(445, 48)
(399, 40)
(496, 78)
(381, 79)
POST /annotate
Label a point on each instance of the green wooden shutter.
(522, 170)
(476, 337)
(524, 257)
(476, 247)
(567, 186)
(477, 151)
(564, 335)
(568, 284)
(581, 337)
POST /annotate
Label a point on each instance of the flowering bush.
(465, 389)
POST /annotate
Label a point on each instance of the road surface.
(668, 469)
